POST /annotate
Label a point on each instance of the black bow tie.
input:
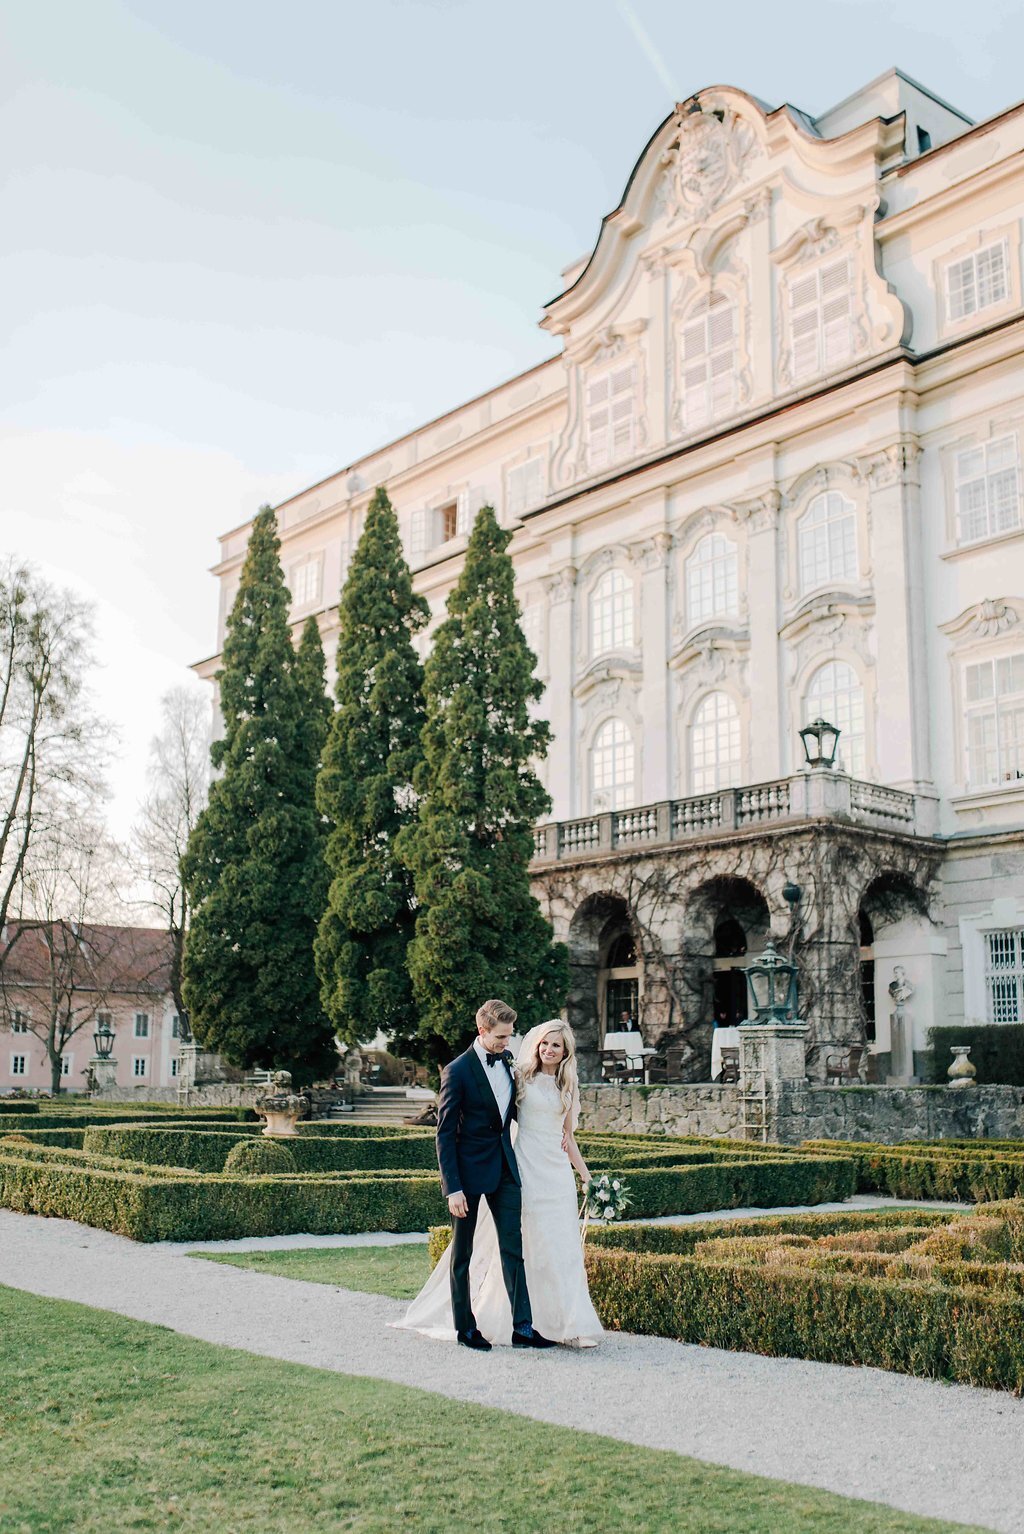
(493, 1059)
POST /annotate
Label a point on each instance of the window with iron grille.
(1004, 975)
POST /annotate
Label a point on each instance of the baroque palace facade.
(773, 474)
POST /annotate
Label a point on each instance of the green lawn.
(400, 1271)
(111, 1426)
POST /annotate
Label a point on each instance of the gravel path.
(944, 1450)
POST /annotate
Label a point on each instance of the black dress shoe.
(527, 1337)
(474, 1339)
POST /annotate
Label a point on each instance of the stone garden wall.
(885, 1115)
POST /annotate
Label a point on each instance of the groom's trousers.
(506, 1206)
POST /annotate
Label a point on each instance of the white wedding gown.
(552, 1248)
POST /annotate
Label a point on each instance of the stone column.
(558, 700)
(896, 568)
(651, 555)
(104, 1073)
(761, 517)
(776, 1049)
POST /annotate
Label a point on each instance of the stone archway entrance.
(606, 974)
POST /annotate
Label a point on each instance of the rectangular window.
(305, 581)
(175, 1027)
(103, 1019)
(19, 1065)
(977, 282)
(524, 486)
(448, 518)
(987, 488)
(140, 1065)
(19, 1023)
(65, 1065)
(994, 704)
(820, 309)
(142, 1025)
(174, 1066)
(610, 416)
(1004, 975)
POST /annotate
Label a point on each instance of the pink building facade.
(112, 975)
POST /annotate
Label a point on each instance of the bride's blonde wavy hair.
(567, 1074)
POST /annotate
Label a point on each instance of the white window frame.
(175, 1063)
(820, 316)
(1005, 710)
(1005, 913)
(983, 487)
(19, 1022)
(612, 616)
(66, 1064)
(305, 581)
(140, 1067)
(612, 767)
(827, 543)
(709, 362)
(610, 429)
(712, 580)
(853, 745)
(711, 727)
(1009, 975)
(175, 1025)
(977, 281)
(19, 1065)
(140, 1028)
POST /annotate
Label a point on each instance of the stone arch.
(727, 920)
(596, 934)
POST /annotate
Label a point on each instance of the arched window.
(712, 585)
(827, 536)
(611, 613)
(715, 745)
(611, 767)
(709, 362)
(835, 694)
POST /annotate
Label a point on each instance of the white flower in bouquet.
(603, 1195)
(608, 1214)
(616, 1185)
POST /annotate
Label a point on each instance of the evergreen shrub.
(256, 1157)
(997, 1052)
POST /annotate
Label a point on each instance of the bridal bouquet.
(606, 1199)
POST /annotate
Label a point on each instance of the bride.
(547, 1098)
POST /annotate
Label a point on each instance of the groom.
(475, 1110)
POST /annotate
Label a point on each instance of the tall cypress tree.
(252, 865)
(365, 789)
(479, 930)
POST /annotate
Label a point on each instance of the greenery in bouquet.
(606, 1199)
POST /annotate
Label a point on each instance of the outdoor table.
(632, 1043)
(722, 1038)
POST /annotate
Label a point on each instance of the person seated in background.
(626, 1023)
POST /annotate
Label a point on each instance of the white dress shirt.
(499, 1079)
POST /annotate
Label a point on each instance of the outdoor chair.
(843, 1068)
(730, 1071)
(615, 1066)
(666, 1066)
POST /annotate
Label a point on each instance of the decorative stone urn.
(281, 1106)
(961, 1073)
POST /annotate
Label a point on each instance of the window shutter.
(419, 533)
(803, 304)
(463, 515)
(835, 313)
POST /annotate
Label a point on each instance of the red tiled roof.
(100, 957)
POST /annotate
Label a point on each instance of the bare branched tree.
(51, 739)
(178, 785)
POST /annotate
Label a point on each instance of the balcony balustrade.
(806, 796)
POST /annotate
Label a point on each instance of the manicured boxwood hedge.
(931, 1169)
(206, 1150)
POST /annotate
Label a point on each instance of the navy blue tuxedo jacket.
(474, 1143)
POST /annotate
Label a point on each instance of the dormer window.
(709, 362)
(820, 310)
(611, 415)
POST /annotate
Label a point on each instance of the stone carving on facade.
(705, 157)
(761, 514)
(892, 465)
(651, 553)
(560, 586)
(985, 619)
(833, 628)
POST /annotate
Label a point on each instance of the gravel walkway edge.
(947, 1451)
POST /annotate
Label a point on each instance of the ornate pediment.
(706, 155)
(986, 620)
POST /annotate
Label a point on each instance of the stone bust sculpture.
(900, 988)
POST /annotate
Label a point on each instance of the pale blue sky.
(244, 243)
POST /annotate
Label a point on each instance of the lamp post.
(820, 739)
(103, 1065)
(771, 980)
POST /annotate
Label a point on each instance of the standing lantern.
(820, 740)
(773, 989)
